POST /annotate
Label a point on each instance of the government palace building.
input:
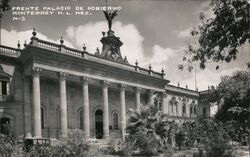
(48, 89)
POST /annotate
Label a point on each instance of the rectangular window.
(4, 88)
(81, 119)
(184, 108)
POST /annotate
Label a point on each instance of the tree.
(217, 38)
(212, 136)
(233, 98)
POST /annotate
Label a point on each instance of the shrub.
(73, 146)
(213, 137)
(7, 145)
(116, 147)
(39, 151)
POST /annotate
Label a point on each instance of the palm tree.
(149, 126)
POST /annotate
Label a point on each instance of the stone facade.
(48, 89)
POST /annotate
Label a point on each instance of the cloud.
(184, 33)
(90, 34)
(160, 57)
(11, 38)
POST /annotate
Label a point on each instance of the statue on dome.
(109, 17)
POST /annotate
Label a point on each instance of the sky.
(152, 31)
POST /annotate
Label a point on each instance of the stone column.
(85, 90)
(179, 108)
(151, 97)
(138, 98)
(27, 106)
(164, 104)
(105, 109)
(36, 102)
(1, 93)
(63, 105)
(169, 104)
(8, 87)
(123, 109)
(187, 109)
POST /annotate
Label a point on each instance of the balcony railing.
(13, 52)
(83, 54)
(9, 51)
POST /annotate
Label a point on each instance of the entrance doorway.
(5, 126)
(99, 124)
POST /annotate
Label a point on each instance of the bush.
(116, 147)
(218, 148)
(73, 146)
(213, 137)
(41, 151)
(146, 144)
(65, 149)
(180, 139)
(7, 145)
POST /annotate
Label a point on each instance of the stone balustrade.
(12, 52)
(181, 90)
(47, 45)
(8, 51)
(85, 55)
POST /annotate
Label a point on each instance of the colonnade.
(85, 96)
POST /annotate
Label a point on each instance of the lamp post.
(248, 90)
(248, 93)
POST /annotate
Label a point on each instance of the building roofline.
(182, 90)
(35, 42)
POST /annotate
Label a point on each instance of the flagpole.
(107, 6)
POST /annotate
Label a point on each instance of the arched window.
(191, 110)
(42, 117)
(4, 84)
(160, 106)
(115, 121)
(204, 111)
(172, 107)
(176, 106)
(80, 115)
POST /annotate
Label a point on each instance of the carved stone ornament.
(164, 95)
(122, 86)
(62, 75)
(36, 71)
(105, 83)
(112, 52)
(137, 89)
(85, 79)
